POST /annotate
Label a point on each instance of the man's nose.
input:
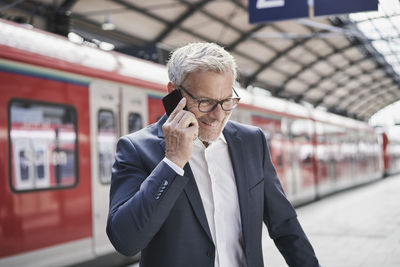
(218, 113)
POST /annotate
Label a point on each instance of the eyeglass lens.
(208, 105)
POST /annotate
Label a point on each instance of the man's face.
(209, 85)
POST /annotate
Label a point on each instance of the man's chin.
(209, 138)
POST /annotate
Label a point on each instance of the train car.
(314, 152)
(64, 106)
(391, 149)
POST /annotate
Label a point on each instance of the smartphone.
(171, 100)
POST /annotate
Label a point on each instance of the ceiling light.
(106, 46)
(108, 25)
(73, 37)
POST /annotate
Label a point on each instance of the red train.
(391, 149)
(63, 106)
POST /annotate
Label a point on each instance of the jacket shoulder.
(146, 134)
(243, 129)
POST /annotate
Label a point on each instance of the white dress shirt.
(213, 172)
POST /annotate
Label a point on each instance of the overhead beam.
(243, 35)
(66, 5)
(314, 62)
(358, 94)
(180, 27)
(382, 89)
(171, 26)
(315, 84)
(265, 65)
(251, 79)
(372, 111)
(369, 111)
(371, 97)
(362, 93)
(29, 6)
(278, 90)
(86, 24)
(339, 84)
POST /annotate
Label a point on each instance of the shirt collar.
(222, 137)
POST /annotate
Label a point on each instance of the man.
(193, 189)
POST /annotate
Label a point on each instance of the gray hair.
(199, 56)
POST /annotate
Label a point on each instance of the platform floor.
(355, 228)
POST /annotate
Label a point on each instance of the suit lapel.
(194, 197)
(239, 165)
(160, 132)
(191, 190)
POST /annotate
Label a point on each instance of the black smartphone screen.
(171, 100)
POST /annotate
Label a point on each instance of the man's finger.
(179, 107)
(187, 120)
(178, 117)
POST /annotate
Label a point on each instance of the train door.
(272, 127)
(104, 121)
(301, 160)
(134, 114)
(115, 110)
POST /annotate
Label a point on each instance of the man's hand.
(180, 129)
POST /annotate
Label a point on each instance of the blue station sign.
(329, 7)
(273, 10)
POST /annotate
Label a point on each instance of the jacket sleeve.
(140, 199)
(281, 219)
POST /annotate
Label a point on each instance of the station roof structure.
(347, 64)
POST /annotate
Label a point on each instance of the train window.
(106, 139)
(279, 161)
(135, 122)
(23, 166)
(301, 130)
(320, 132)
(40, 165)
(43, 145)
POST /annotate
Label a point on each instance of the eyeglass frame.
(220, 102)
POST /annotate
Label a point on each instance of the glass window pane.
(106, 140)
(43, 136)
(135, 122)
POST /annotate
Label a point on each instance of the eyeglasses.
(208, 105)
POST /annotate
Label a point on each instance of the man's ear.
(170, 87)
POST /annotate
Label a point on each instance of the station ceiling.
(325, 62)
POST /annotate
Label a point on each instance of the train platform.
(354, 228)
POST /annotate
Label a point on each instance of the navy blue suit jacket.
(160, 213)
